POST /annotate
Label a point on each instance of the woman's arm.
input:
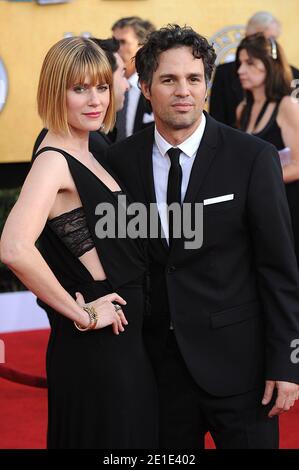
(22, 229)
(288, 121)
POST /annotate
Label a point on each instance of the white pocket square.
(215, 200)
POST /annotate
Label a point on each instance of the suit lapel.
(204, 157)
(139, 114)
(203, 160)
(146, 171)
(146, 164)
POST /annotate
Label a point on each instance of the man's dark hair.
(142, 28)
(169, 37)
(110, 46)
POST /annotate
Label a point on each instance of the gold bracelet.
(93, 319)
(93, 316)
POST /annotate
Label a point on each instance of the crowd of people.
(153, 342)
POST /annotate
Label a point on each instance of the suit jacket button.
(171, 269)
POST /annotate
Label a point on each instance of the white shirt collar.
(133, 80)
(189, 146)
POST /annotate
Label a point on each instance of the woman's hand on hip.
(108, 312)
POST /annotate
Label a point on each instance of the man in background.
(131, 32)
(120, 83)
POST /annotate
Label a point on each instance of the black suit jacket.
(234, 302)
(142, 109)
(227, 93)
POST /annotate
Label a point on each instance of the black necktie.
(174, 185)
(121, 120)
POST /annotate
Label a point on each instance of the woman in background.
(269, 112)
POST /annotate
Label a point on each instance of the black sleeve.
(217, 97)
(275, 262)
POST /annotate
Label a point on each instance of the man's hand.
(287, 394)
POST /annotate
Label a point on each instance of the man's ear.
(145, 90)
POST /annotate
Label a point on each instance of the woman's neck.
(76, 141)
(259, 95)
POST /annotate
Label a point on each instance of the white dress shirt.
(133, 98)
(161, 166)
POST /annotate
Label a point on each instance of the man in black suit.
(131, 32)
(98, 141)
(223, 315)
(226, 91)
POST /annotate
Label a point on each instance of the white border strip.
(20, 312)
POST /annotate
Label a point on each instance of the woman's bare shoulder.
(289, 103)
(49, 155)
(50, 160)
(50, 168)
(288, 110)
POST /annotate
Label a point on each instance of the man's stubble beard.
(180, 122)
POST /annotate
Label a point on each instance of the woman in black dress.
(269, 112)
(101, 389)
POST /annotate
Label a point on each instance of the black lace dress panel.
(71, 227)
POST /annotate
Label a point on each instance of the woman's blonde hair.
(66, 64)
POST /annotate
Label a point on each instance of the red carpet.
(23, 409)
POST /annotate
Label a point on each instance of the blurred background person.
(268, 112)
(120, 84)
(132, 32)
(226, 91)
(99, 141)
